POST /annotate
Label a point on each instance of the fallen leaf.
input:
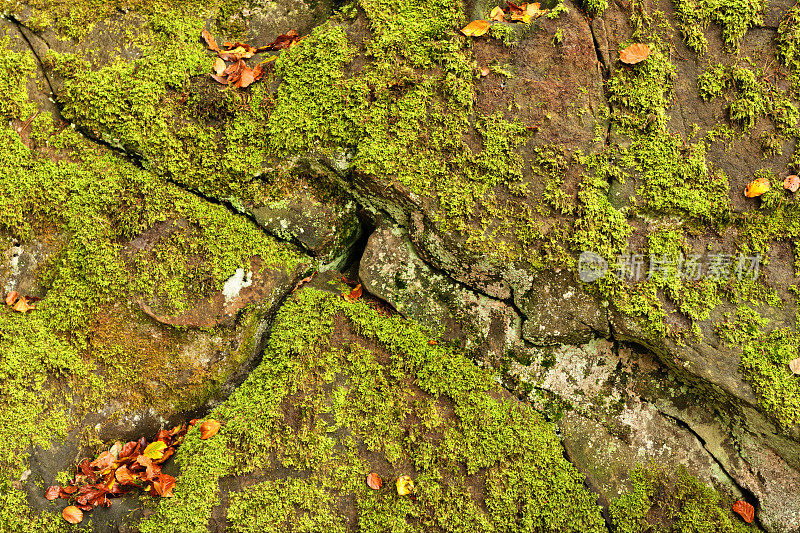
(355, 294)
(476, 28)
(209, 428)
(529, 12)
(756, 187)
(103, 461)
(497, 14)
(128, 449)
(745, 510)
(374, 481)
(124, 476)
(155, 450)
(404, 485)
(794, 365)
(485, 71)
(72, 514)
(22, 305)
(52, 492)
(792, 183)
(247, 77)
(219, 66)
(635, 53)
(11, 297)
(287, 40)
(163, 485)
(432, 342)
(514, 8)
(210, 42)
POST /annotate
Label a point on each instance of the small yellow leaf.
(155, 450)
(476, 28)
(497, 14)
(405, 485)
(756, 187)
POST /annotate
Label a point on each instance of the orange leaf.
(497, 14)
(209, 428)
(476, 28)
(247, 77)
(635, 53)
(794, 365)
(792, 183)
(11, 297)
(374, 481)
(52, 492)
(756, 187)
(355, 294)
(72, 514)
(124, 476)
(745, 510)
(22, 305)
(210, 42)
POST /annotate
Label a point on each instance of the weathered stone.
(391, 270)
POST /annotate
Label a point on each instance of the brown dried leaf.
(635, 53)
(745, 510)
(484, 71)
(22, 305)
(11, 297)
(124, 476)
(209, 428)
(794, 365)
(756, 187)
(514, 8)
(476, 28)
(210, 42)
(247, 77)
(287, 40)
(497, 14)
(792, 183)
(163, 485)
(374, 481)
(52, 492)
(128, 449)
(103, 461)
(72, 514)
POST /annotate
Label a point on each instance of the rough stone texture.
(391, 270)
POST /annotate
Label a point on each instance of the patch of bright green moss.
(672, 502)
(323, 407)
(788, 42)
(735, 18)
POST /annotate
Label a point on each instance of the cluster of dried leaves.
(404, 484)
(238, 73)
(524, 13)
(135, 465)
(759, 186)
(20, 304)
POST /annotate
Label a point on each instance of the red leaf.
(374, 481)
(514, 8)
(745, 510)
(128, 449)
(52, 492)
(209, 428)
(287, 40)
(164, 485)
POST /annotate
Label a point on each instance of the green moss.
(506, 33)
(594, 8)
(673, 502)
(787, 43)
(644, 88)
(326, 407)
(735, 18)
